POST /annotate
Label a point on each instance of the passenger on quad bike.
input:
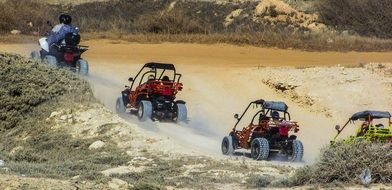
(267, 135)
(61, 48)
(61, 23)
(59, 32)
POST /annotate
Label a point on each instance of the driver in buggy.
(60, 31)
(165, 78)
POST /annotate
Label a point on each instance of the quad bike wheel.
(51, 60)
(227, 145)
(35, 55)
(82, 67)
(144, 110)
(297, 151)
(182, 113)
(120, 107)
(260, 149)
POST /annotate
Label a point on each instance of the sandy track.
(219, 80)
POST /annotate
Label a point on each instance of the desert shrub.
(145, 186)
(257, 181)
(170, 22)
(366, 17)
(130, 16)
(26, 84)
(29, 92)
(192, 21)
(345, 162)
(272, 11)
(17, 14)
(114, 15)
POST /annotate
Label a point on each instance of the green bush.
(26, 84)
(345, 162)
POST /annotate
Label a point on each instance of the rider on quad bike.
(59, 32)
(61, 47)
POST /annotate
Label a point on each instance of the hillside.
(60, 137)
(270, 23)
(56, 134)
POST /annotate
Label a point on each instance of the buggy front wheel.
(120, 107)
(227, 145)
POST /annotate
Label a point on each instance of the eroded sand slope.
(221, 80)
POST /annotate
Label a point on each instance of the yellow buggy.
(376, 126)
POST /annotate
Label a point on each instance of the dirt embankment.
(221, 80)
(68, 140)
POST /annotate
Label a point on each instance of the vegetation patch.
(26, 84)
(149, 21)
(344, 163)
(365, 17)
(30, 91)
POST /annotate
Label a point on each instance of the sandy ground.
(220, 80)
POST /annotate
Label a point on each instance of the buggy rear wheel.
(120, 107)
(260, 149)
(144, 110)
(297, 151)
(182, 113)
(227, 145)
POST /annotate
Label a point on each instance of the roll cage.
(367, 115)
(154, 67)
(266, 108)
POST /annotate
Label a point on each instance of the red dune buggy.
(267, 132)
(152, 94)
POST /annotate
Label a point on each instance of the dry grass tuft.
(30, 91)
(343, 163)
(150, 21)
(365, 17)
(26, 84)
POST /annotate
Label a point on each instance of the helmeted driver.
(275, 115)
(59, 31)
(57, 28)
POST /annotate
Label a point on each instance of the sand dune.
(220, 80)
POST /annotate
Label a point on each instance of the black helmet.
(275, 115)
(65, 19)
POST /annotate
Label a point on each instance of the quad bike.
(154, 94)
(66, 54)
(368, 130)
(266, 134)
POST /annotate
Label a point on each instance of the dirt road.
(219, 80)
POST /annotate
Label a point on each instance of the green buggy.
(376, 127)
